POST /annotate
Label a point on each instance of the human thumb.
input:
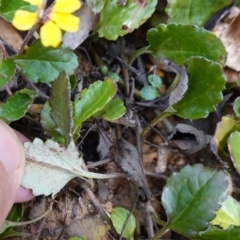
(12, 162)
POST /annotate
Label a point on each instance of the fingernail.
(10, 148)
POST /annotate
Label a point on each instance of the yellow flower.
(58, 16)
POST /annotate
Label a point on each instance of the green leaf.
(17, 105)
(114, 76)
(112, 111)
(76, 238)
(8, 8)
(232, 233)
(49, 126)
(119, 217)
(155, 80)
(117, 20)
(15, 215)
(61, 106)
(179, 42)
(233, 146)
(205, 85)
(46, 63)
(228, 214)
(149, 93)
(236, 106)
(191, 198)
(224, 128)
(92, 100)
(194, 11)
(7, 70)
(95, 6)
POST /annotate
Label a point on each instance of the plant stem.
(155, 121)
(137, 54)
(160, 233)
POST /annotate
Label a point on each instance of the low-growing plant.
(192, 196)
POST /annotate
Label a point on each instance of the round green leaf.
(228, 214)
(117, 20)
(194, 11)
(205, 85)
(119, 217)
(236, 106)
(191, 198)
(40, 64)
(234, 149)
(7, 70)
(179, 42)
(149, 93)
(155, 80)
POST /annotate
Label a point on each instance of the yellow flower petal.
(66, 6)
(66, 22)
(50, 34)
(24, 20)
(39, 3)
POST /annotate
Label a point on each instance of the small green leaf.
(61, 106)
(205, 85)
(17, 105)
(232, 233)
(46, 63)
(104, 69)
(224, 128)
(7, 70)
(236, 106)
(119, 217)
(179, 42)
(112, 111)
(117, 20)
(8, 8)
(233, 146)
(73, 81)
(228, 214)
(114, 76)
(92, 100)
(49, 125)
(95, 6)
(191, 198)
(155, 80)
(194, 12)
(149, 93)
(16, 213)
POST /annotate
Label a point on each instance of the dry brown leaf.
(88, 22)
(10, 35)
(229, 32)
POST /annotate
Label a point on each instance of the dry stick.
(139, 147)
(38, 91)
(38, 232)
(40, 229)
(128, 217)
(61, 235)
(97, 205)
(29, 36)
